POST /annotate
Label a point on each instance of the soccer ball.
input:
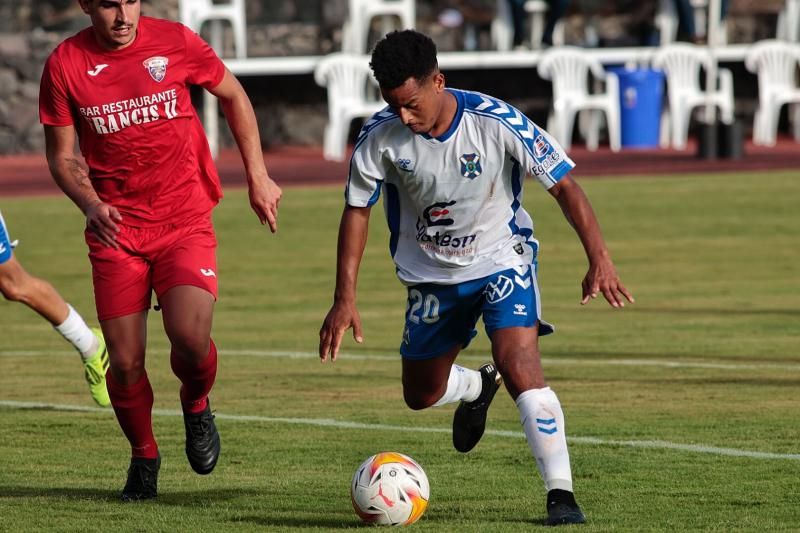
(390, 488)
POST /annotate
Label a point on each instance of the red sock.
(196, 381)
(133, 405)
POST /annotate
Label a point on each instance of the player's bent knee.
(416, 401)
(11, 290)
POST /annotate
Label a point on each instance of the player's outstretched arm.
(71, 176)
(602, 275)
(265, 195)
(343, 313)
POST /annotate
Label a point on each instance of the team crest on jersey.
(157, 67)
(471, 166)
(540, 145)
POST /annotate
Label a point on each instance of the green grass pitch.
(682, 409)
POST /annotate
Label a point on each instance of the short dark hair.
(402, 55)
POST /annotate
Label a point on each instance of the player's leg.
(17, 285)
(184, 277)
(187, 314)
(122, 297)
(516, 353)
(436, 381)
(511, 315)
(440, 321)
(132, 400)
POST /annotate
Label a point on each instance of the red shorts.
(151, 259)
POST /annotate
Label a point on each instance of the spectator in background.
(687, 31)
(555, 10)
(471, 16)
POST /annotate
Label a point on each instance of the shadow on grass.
(194, 498)
(299, 522)
(335, 523)
(68, 493)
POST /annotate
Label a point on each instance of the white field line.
(395, 356)
(344, 424)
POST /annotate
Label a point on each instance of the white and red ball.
(390, 488)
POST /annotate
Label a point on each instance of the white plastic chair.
(682, 64)
(776, 64)
(569, 68)
(352, 93)
(361, 13)
(193, 13)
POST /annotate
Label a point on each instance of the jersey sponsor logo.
(547, 163)
(97, 70)
(115, 116)
(540, 146)
(443, 243)
(406, 165)
(498, 290)
(157, 67)
(470, 166)
(435, 214)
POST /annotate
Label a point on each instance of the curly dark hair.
(402, 55)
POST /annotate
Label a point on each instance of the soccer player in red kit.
(123, 85)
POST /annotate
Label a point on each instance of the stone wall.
(292, 109)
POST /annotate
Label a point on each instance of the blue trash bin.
(641, 94)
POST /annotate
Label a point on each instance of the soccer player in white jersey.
(452, 164)
(17, 285)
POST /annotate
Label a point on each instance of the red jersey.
(139, 133)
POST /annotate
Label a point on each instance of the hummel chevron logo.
(513, 118)
(546, 425)
(97, 70)
(524, 283)
(207, 272)
(2, 248)
(521, 276)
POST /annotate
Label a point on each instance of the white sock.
(75, 330)
(463, 384)
(543, 421)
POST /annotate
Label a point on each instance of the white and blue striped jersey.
(454, 202)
